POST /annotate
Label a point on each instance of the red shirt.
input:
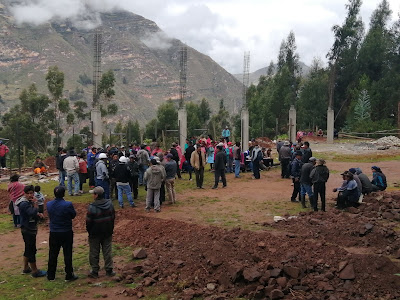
(82, 166)
(15, 190)
(3, 150)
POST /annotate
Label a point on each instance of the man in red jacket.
(3, 151)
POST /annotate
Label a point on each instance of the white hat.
(102, 155)
(123, 159)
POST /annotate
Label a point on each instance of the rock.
(366, 229)
(292, 272)
(179, 263)
(275, 272)
(215, 262)
(397, 254)
(140, 295)
(329, 276)
(271, 282)
(276, 294)
(282, 281)
(132, 268)
(148, 281)
(223, 279)
(347, 273)
(353, 210)
(325, 286)
(210, 286)
(261, 245)
(251, 274)
(235, 272)
(387, 215)
(342, 265)
(139, 253)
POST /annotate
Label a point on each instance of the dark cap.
(169, 155)
(299, 153)
(353, 170)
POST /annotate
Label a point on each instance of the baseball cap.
(98, 190)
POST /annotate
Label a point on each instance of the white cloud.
(223, 29)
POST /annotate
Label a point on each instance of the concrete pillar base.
(182, 123)
(95, 117)
(245, 129)
(292, 124)
(330, 125)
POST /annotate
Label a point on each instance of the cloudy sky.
(224, 29)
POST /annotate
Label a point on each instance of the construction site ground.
(224, 243)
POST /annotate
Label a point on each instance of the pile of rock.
(387, 141)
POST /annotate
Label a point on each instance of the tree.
(343, 54)
(106, 85)
(204, 111)
(362, 110)
(55, 84)
(84, 79)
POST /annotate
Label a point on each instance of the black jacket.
(60, 161)
(305, 173)
(188, 153)
(111, 168)
(307, 153)
(122, 173)
(100, 218)
(319, 174)
(175, 155)
(220, 160)
(133, 169)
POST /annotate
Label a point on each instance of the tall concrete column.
(330, 125)
(95, 117)
(292, 124)
(182, 123)
(245, 129)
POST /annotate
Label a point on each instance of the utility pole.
(182, 113)
(245, 110)
(97, 131)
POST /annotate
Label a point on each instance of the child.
(39, 198)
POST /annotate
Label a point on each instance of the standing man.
(284, 157)
(122, 175)
(100, 227)
(154, 176)
(188, 154)
(295, 174)
(133, 179)
(91, 164)
(319, 176)
(71, 167)
(60, 166)
(102, 178)
(29, 217)
(175, 157)
(3, 151)
(307, 153)
(170, 171)
(237, 156)
(226, 134)
(143, 161)
(198, 161)
(256, 157)
(61, 214)
(220, 163)
(306, 183)
(111, 173)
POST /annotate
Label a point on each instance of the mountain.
(255, 76)
(144, 59)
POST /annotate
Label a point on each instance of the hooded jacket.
(305, 173)
(101, 170)
(365, 183)
(28, 214)
(319, 174)
(154, 176)
(100, 218)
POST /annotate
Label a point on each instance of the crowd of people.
(309, 176)
(114, 171)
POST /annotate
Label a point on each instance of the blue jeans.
(61, 177)
(105, 184)
(75, 178)
(306, 189)
(127, 190)
(237, 167)
(142, 169)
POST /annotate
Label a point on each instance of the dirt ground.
(223, 244)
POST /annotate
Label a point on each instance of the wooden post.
(163, 138)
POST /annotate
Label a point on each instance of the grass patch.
(354, 158)
(6, 224)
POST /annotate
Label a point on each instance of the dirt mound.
(265, 142)
(195, 261)
(51, 163)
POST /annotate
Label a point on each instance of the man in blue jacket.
(295, 173)
(61, 213)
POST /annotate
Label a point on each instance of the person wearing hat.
(284, 158)
(366, 185)
(134, 175)
(319, 176)
(198, 161)
(306, 183)
(226, 134)
(61, 213)
(122, 174)
(219, 166)
(39, 166)
(348, 193)
(175, 157)
(29, 218)
(60, 166)
(71, 167)
(378, 179)
(154, 176)
(295, 172)
(102, 178)
(100, 219)
(307, 152)
(3, 151)
(170, 171)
